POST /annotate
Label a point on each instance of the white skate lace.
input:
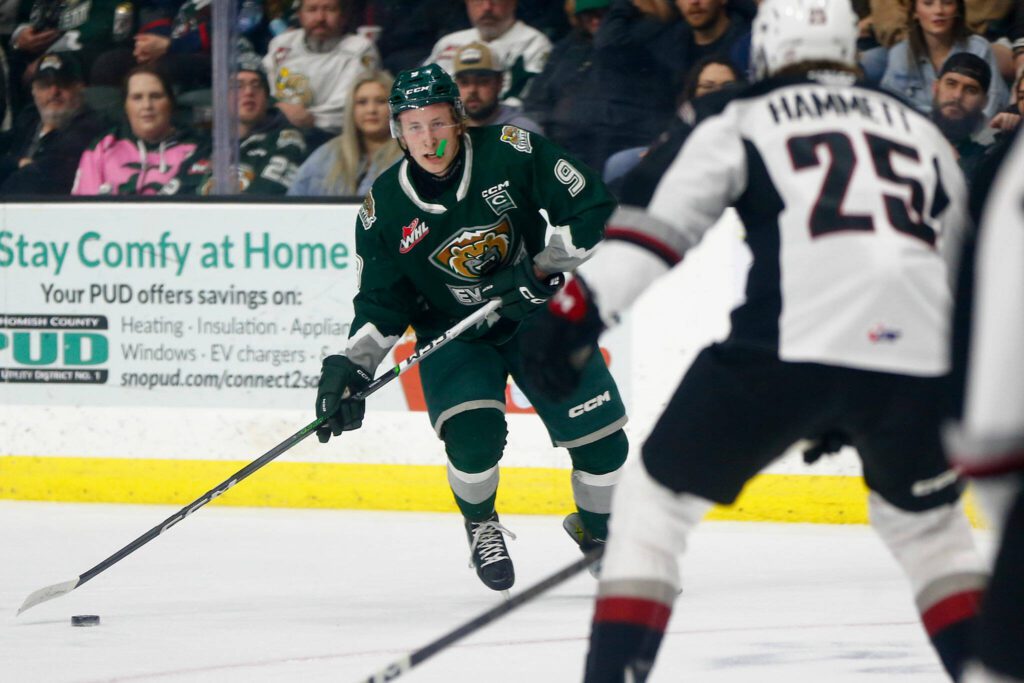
(487, 537)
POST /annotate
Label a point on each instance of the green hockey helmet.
(422, 87)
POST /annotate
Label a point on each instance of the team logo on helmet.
(475, 252)
(517, 137)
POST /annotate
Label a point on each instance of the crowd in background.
(113, 97)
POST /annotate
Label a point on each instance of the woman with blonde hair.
(347, 165)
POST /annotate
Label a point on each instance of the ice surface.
(235, 595)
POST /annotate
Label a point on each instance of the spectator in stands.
(152, 156)
(547, 16)
(887, 22)
(41, 152)
(1017, 36)
(521, 48)
(347, 165)
(716, 29)
(86, 29)
(1007, 120)
(559, 98)
(312, 69)
(936, 30)
(408, 30)
(479, 77)
(709, 75)
(642, 51)
(172, 35)
(958, 107)
(270, 148)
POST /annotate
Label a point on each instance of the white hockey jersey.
(854, 209)
(992, 438)
(318, 80)
(519, 41)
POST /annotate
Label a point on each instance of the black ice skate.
(573, 526)
(488, 554)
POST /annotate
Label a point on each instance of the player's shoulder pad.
(517, 138)
(368, 211)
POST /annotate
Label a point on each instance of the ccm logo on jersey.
(498, 198)
(590, 404)
(412, 234)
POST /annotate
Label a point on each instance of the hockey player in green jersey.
(454, 224)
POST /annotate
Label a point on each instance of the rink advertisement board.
(172, 304)
(149, 350)
(179, 305)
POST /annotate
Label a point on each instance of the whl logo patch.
(412, 234)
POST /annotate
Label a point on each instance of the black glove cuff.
(545, 286)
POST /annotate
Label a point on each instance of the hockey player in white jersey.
(989, 445)
(854, 209)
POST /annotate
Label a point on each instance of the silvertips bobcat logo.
(472, 253)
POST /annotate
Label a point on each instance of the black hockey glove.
(557, 343)
(520, 290)
(339, 379)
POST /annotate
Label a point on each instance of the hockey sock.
(474, 441)
(950, 624)
(476, 512)
(595, 523)
(597, 469)
(625, 638)
(936, 551)
(1001, 623)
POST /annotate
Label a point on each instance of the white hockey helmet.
(787, 32)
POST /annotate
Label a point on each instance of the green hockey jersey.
(423, 262)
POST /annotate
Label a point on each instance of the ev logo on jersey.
(411, 235)
(474, 252)
(591, 404)
(467, 296)
(498, 198)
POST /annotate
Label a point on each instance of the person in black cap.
(41, 152)
(959, 98)
(270, 147)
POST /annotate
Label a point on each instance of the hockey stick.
(417, 657)
(59, 589)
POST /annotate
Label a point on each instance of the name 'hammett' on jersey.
(795, 105)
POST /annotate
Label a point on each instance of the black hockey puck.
(85, 620)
